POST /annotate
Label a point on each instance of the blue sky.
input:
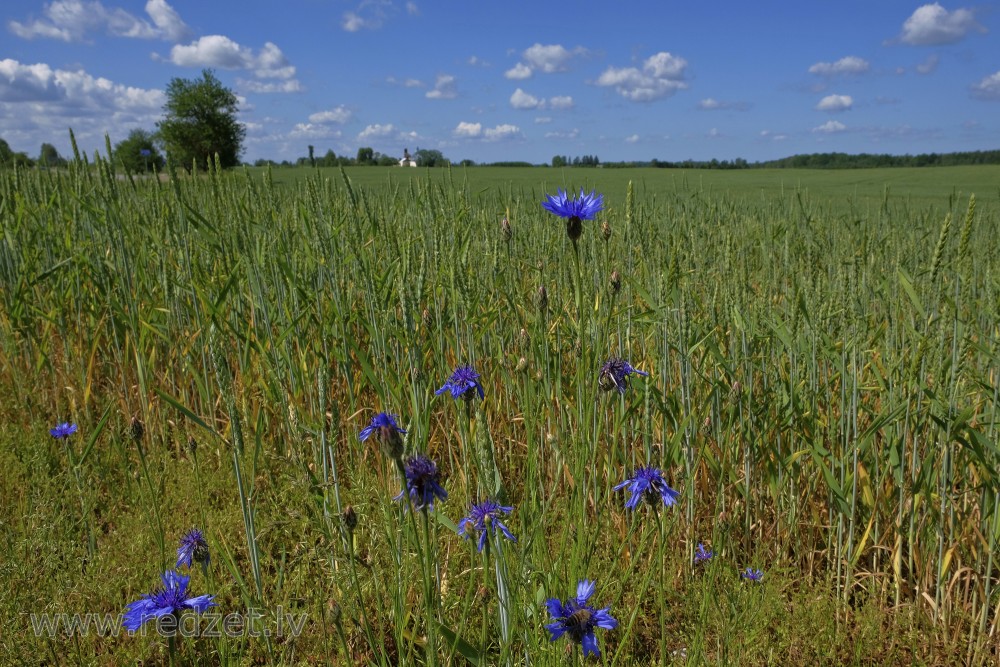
(516, 80)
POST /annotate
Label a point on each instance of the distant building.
(407, 161)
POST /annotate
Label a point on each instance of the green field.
(822, 350)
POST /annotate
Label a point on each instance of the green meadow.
(822, 350)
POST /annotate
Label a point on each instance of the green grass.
(823, 392)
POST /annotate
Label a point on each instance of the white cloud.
(572, 134)
(353, 22)
(988, 88)
(714, 133)
(221, 52)
(71, 20)
(339, 115)
(38, 103)
(542, 120)
(167, 20)
(712, 104)
(835, 103)
(468, 130)
(444, 88)
(412, 9)
(376, 131)
(476, 61)
(632, 139)
(313, 131)
(846, 65)
(932, 25)
(830, 126)
(502, 132)
(768, 134)
(661, 75)
(928, 65)
(523, 100)
(561, 102)
(253, 86)
(518, 72)
(549, 58)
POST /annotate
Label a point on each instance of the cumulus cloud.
(988, 88)
(221, 52)
(932, 25)
(38, 103)
(928, 65)
(572, 134)
(835, 103)
(71, 20)
(549, 58)
(661, 75)
(313, 131)
(773, 136)
(518, 72)
(830, 127)
(561, 102)
(523, 100)
(444, 88)
(377, 131)
(338, 115)
(466, 130)
(632, 139)
(712, 104)
(846, 65)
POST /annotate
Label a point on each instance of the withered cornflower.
(578, 619)
(422, 483)
(385, 429)
(574, 211)
(172, 598)
(193, 549)
(485, 517)
(648, 484)
(463, 383)
(614, 374)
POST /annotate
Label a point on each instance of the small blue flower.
(380, 422)
(751, 574)
(579, 619)
(648, 484)
(614, 374)
(584, 207)
(193, 549)
(145, 152)
(172, 598)
(701, 554)
(463, 383)
(485, 516)
(63, 430)
(422, 483)
(385, 429)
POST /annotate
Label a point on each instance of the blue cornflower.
(422, 483)
(171, 599)
(386, 430)
(701, 554)
(579, 619)
(614, 374)
(463, 383)
(485, 516)
(193, 549)
(145, 152)
(585, 207)
(63, 430)
(751, 574)
(648, 484)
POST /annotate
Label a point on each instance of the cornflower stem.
(429, 592)
(578, 288)
(660, 554)
(500, 565)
